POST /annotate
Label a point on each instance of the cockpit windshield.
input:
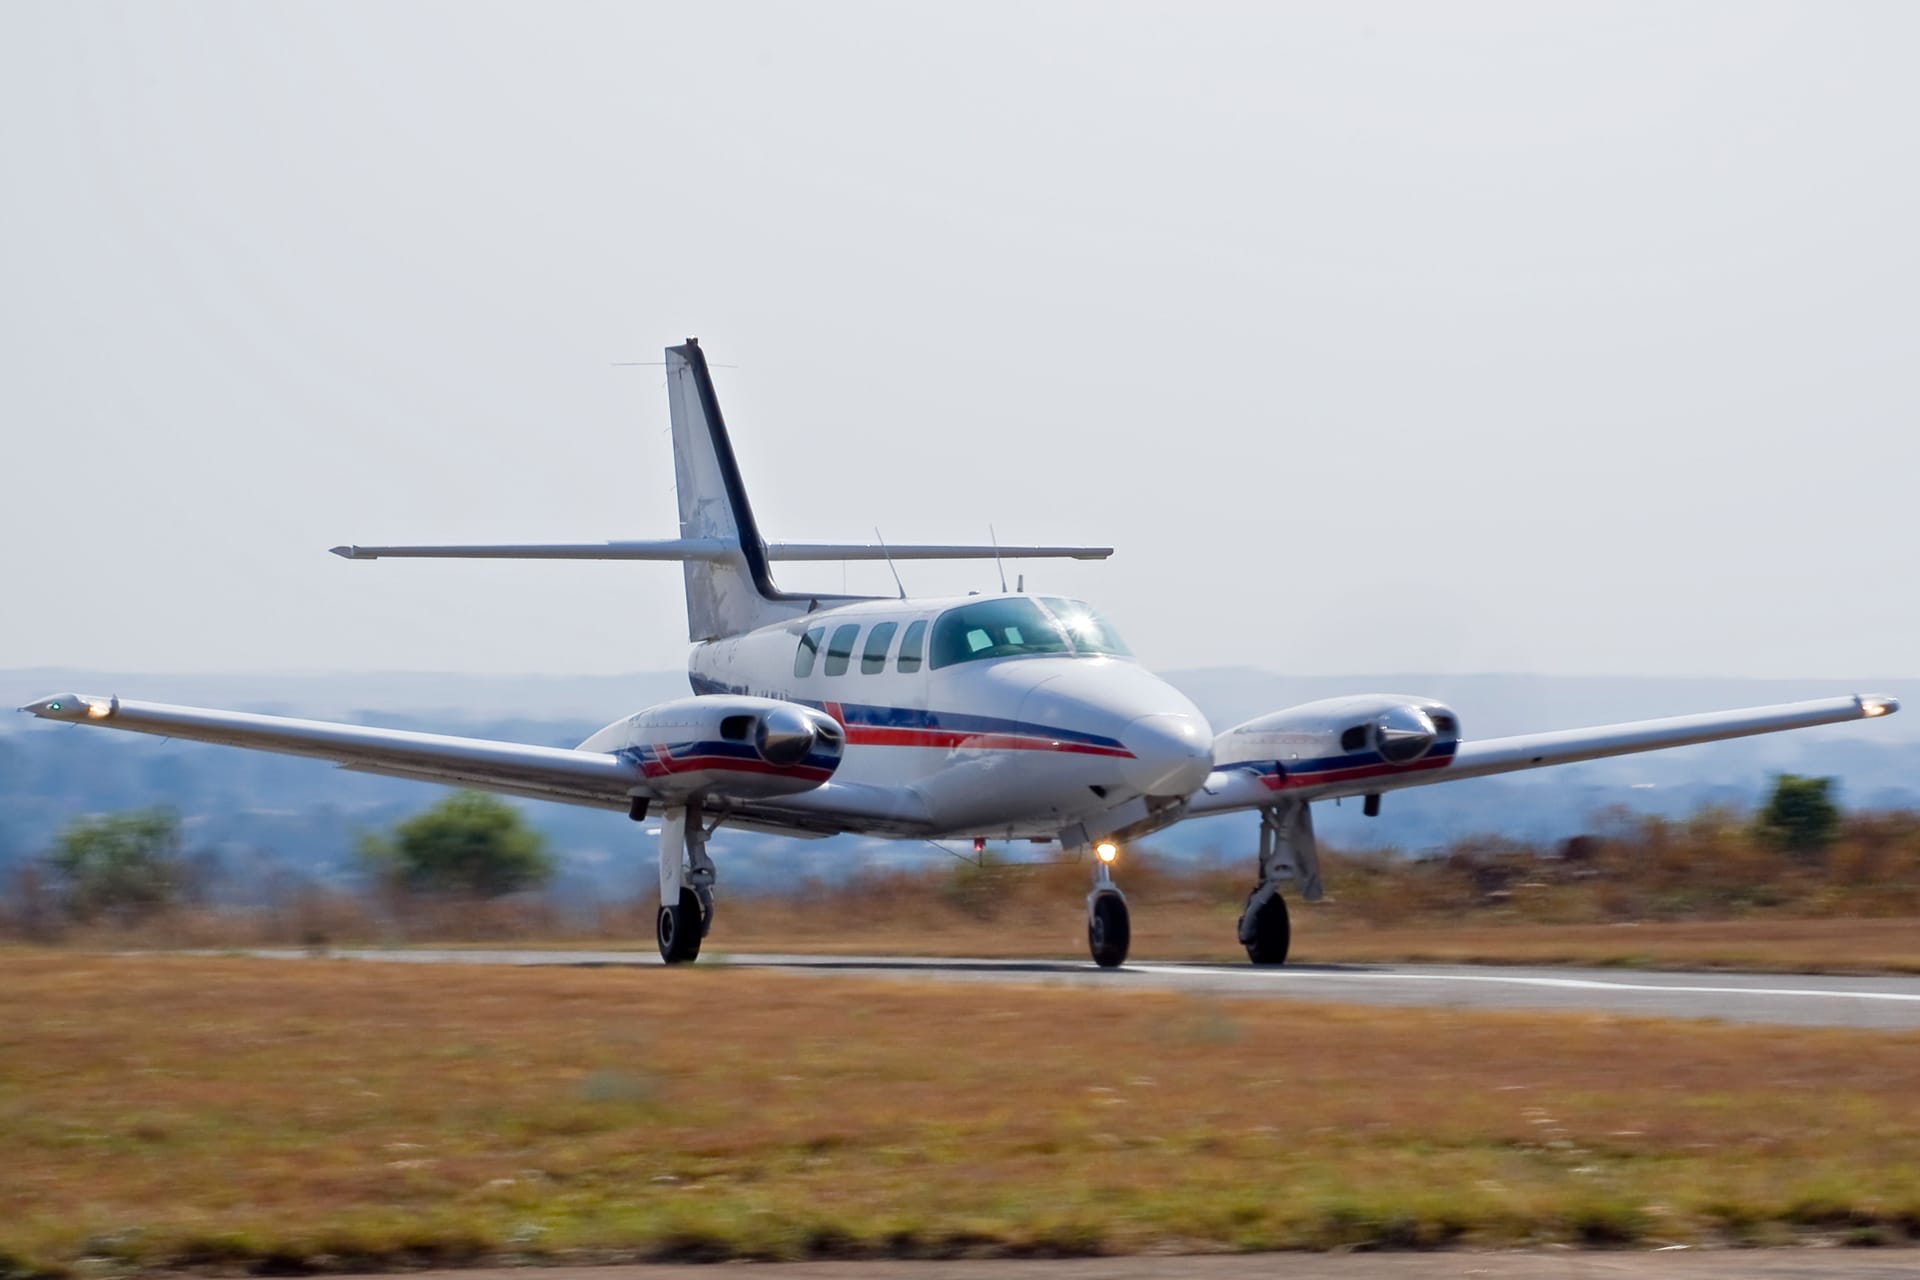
(1090, 633)
(1019, 627)
(994, 629)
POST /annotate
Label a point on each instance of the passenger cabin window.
(910, 645)
(873, 658)
(994, 629)
(809, 650)
(840, 648)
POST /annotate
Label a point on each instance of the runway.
(1881, 1003)
(1557, 1264)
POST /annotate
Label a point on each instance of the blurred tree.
(469, 843)
(1800, 816)
(123, 865)
(31, 910)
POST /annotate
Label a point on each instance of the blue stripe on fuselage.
(866, 715)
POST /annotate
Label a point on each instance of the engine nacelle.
(1338, 744)
(727, 745)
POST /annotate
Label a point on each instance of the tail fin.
(733, 592)
(730, 587)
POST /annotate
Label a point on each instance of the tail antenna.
(996, 558)
(889, 555)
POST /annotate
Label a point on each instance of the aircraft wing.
(1255, 786)
(547, 773)
(594, 778)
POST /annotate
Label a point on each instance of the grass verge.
(236, 1115)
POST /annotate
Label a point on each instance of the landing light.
(99, 710)
(1875, 706)
(1107, 850)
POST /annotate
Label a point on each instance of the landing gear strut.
(1109, 928)
(1287, 853)
(686, 884)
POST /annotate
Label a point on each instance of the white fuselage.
(989, 742)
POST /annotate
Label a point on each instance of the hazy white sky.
(1557, 338)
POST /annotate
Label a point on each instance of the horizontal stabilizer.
(675, 549)
(926, 551)
(680, 549)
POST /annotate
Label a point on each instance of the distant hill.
(287, 816)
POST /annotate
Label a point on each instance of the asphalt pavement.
(1877, 1003)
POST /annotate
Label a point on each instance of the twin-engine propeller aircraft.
(1002, 716)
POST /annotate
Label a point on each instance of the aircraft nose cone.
(1173, 754)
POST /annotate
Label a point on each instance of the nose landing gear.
(1109, 927)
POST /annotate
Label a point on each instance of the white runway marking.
(1525, 980)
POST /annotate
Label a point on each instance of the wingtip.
(349, 552)
(72, 706)
(1877, 704)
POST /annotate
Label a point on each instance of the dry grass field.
(229, 1114)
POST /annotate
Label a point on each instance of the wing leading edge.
(1241, 787)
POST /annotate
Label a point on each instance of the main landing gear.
(1109, 928)
(686, 884)
(1287, 853)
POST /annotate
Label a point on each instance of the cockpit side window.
(840, 648)
(873, 658)
(1091, 633)
(995, 629)
(809, 650)
(910, 645)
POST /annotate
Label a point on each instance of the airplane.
(1003, 715)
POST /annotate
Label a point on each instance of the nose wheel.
(1109, 930)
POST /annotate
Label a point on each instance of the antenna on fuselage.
(996, 558)
(889, 555)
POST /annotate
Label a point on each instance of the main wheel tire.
(1109, 931)
(1272, 932)
(706, 910)
(677, 929)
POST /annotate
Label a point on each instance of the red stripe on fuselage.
(953, 739)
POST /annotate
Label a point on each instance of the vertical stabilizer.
(736, 592)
